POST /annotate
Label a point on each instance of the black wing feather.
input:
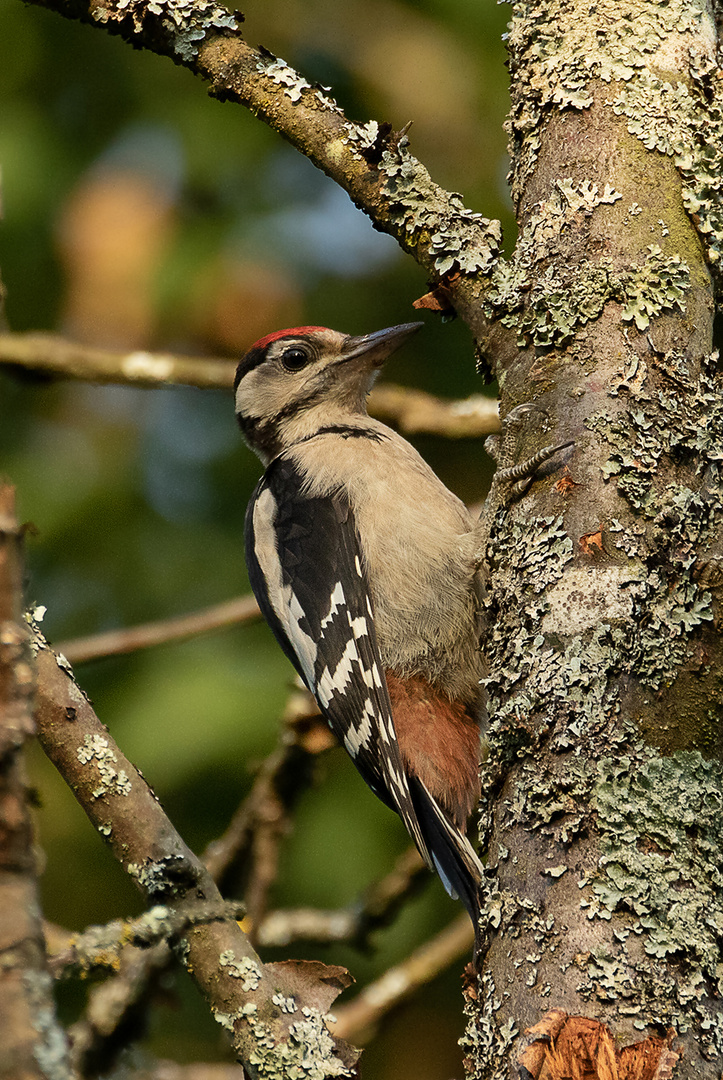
(307, 572)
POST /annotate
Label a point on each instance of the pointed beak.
(375, 348)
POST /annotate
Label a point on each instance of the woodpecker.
(364, 565)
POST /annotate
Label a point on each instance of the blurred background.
(139, 213)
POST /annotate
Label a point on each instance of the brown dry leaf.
(565, 484)
(436, 300)
(317, 984)
(590, 541)
(580, 1048)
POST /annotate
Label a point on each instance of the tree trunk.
(603, 779)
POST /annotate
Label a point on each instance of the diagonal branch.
(375, 908)
(371, 162)
(276, 1012)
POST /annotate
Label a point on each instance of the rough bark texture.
(604, 780)
(32, 1044)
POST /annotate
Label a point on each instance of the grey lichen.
(165, 876)
(307, 1053)
(113, 781)
(364, 135)
(547, 302)
(459, 239)
(663, 65)
(283, 75)
(656, 286)
(661, 843)
(101, 946)
(665, 611)
(186, 22)
(675, 524)
(245, 969)
(286, 1004)
(228, 1020)
(685, 123)
(294, 84)
(525, 559)
(673, 881)
(487, 1041)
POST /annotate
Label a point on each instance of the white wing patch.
(337, 682)
(338, 600)
(360, 733)
(356, 737)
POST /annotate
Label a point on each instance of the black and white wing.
(308, 574)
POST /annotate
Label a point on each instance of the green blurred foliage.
(138, 212)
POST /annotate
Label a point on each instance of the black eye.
(295, 358)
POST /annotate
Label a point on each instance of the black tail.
(454, 858)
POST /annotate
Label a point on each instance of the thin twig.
(358, 1019)
(374, 909)
(95, 1042)
(99, 947)
(263, 819)
(416, 412)
(144, 636)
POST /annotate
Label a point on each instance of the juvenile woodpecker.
(364, 565)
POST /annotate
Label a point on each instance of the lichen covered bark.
(605, 694)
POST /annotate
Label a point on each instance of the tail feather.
(455, 860)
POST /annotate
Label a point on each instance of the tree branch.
(50, 354)
(119, 642)
(260, 1005)
(358, 1018)
(371, 162)
(263, 818)
(412, 411)
(31, 1036)
(375, 908)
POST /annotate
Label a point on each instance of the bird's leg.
(510, 480)
(522, 475)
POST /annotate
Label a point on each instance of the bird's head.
(294, 381)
